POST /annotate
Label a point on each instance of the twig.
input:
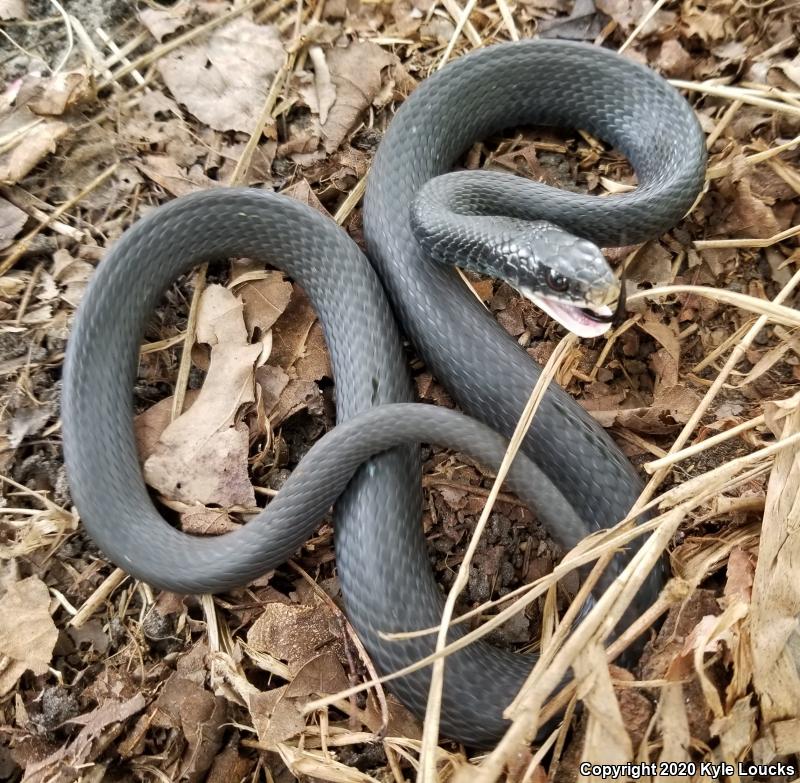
(351, 200)
(723, 123)
(772, 311)
(462, 20)
(70, 41)
(275, 88)
(98, 597)
(757, 157)
(639, 27)
(698, 448)
(185, 366)
(456, 11)
(508, 20)
(735, 93)
(704, 244)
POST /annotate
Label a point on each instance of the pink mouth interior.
(570, 316)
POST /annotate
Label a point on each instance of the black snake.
(486, 221)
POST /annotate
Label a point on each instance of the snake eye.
(557, 281)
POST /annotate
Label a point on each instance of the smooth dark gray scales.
(381, 556)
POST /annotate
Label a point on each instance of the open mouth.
(581, 321)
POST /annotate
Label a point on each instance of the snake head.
(567, 277)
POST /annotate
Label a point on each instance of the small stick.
(735, 93)
(698, 448)
(639, 27)
(99, 596)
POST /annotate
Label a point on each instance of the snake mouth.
(583, 322)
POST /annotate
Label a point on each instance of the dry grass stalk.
(736, 94)
(460, 22)
(714, 172)
(699, 448)
(769, 311)
(652, 11)
(705, 244)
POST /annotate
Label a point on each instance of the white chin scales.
(570, 316)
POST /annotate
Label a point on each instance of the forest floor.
(103, 117)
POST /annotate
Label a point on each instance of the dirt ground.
(104, 117)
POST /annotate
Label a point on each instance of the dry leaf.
(667, 658)
(737, 729)
(88, 744)
(27, 632)
(672, 406)
(275, 717)
(749, 216)
(13, 9)
(293, 633)
(149, 425)
(164, 171)
(156, 119)
(278, 713)
(259, 168)
(272, 381)
(791, 68)
(12, 219)
(201, 716)
(315, 363)
(675, 730)
(776, 411)
(776, 589)
(607, 741)
(664, 335)
(224, 80)
(28, 420)
(652, 264)
(674, 61)
(291, 330)
(322, 675)
(163, 21)
(707, 636)
(202, 456)
(37, 140)
(582, 24)
(666, 370)
(316, 765)
(230, 765)
(301, 191)
(407, 16)
(58, 93)
(628, 13)
(265, 300)
(298, 395)
(704, 23)
(203, 521)
(356, 75)
(72, 275)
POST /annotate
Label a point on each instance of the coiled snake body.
(571, 471)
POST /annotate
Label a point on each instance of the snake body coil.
(579, 479)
